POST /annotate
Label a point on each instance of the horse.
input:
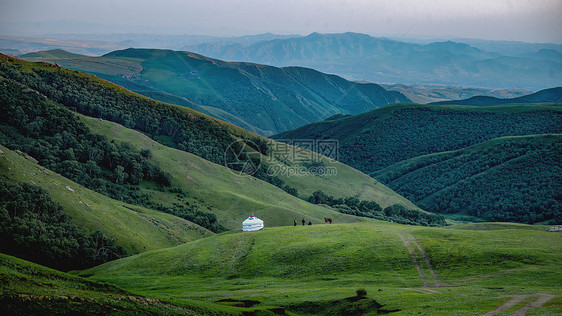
(327, 220)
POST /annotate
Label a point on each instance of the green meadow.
(464, 270)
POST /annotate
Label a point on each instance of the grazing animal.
(327, 220)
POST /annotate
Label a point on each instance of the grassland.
(135, 228)
(29, 288)
(462, 270)
(233, 197)
(209, 136)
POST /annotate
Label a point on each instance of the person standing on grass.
(295, 222)
(303, 221)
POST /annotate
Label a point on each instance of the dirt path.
(543, 298)
(507, 305)
(427, 263)
(414, 259)
(423, 290)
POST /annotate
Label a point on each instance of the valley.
(273, 158)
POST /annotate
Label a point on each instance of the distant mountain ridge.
(263, 99)
(424, 94)
(551, 95)
(362, 57)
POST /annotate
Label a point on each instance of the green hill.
(382, 137)
(28, 289)
(504, 179)
(267, 99)
(377, 141)
(135, 228)
(214, 188)
(406, 268)
(54, 53)
(194, 184)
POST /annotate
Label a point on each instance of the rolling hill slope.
(385, 137)
(503, 179)
(29, 288)
(552, 95)
(267, 99)
(313, 266)
(195, 183)
(135, 228)
(380, 138)
(232, 197)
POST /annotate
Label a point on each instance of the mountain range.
(354, 56)
(551, 95)
(142, 201)
(358, 56)
(260, 98)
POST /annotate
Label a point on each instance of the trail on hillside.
(414, 259)
(427, 263)
(422, 290)
(507, 305)
(543, 298)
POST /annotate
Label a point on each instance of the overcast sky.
(522, 20)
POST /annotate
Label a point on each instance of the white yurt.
(252, 223)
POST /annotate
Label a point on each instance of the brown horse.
(327, 220)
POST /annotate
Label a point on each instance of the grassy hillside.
(135, 228)
(552, 95)
(193, 132)
(380, 141)
(507, 179)
(382, 137)
(28, 289)
(269, 100)
(471, 269)
(217, 189)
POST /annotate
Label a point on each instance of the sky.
(519, 20)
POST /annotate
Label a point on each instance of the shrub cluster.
(33, 227)
(396, 213)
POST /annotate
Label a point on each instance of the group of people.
(303, 222)
(326, 220)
